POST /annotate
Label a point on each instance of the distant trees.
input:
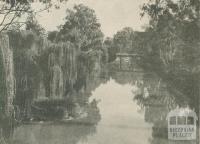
(122, 40)
(110, 49)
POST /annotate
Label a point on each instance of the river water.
(123, 120)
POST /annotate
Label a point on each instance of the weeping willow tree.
(81, 30)
(50, 71)
(68, 74)
(37, 61)
(59, 63)
(25, 49)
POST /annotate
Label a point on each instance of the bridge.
(127, 62)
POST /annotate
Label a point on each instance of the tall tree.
(172, 48)
(81, 28)
(176, 32)
(174, 56)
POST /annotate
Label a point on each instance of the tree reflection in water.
(156, 105)
(52, 134)
(152, 96)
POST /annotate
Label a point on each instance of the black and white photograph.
(99, 71)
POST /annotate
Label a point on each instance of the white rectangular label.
(184, 132)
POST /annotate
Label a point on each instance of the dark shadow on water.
(157, 104)
(52, 134)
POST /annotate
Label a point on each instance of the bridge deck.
(127, 55)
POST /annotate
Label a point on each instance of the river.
(123, 119)
(133, 105)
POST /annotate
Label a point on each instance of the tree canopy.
(174, 46)
(82, 28)
(122, 40)
(33, 25)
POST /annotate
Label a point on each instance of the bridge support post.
(120, 63)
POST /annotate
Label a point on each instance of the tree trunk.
(8, 84)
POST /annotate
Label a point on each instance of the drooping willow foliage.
(59, 63)
(46, 70)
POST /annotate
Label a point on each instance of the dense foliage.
(63, 68)
(59, 73)
(169, 46)
(174, 46)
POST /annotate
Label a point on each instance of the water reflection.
(155, 99)
(121, 122)
(133, 109)
(52, 134)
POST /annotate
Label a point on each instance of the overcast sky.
(112, 14)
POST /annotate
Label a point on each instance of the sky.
(113, 15)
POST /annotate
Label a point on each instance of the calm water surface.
(122, 122)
